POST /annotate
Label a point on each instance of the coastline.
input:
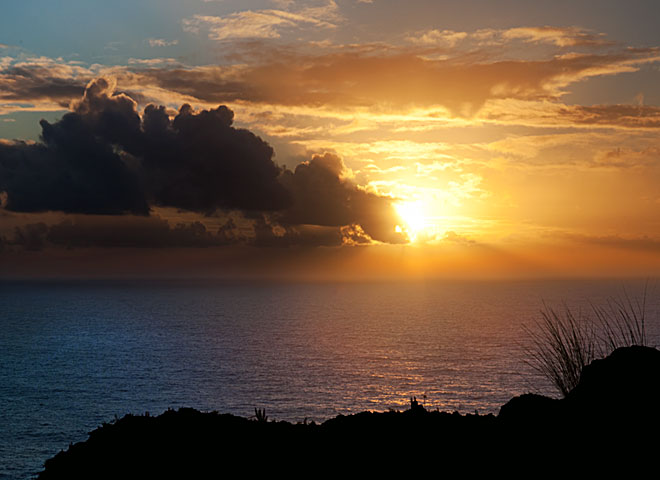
(612, 409)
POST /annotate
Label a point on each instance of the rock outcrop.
(618, 391)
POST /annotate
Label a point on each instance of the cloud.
(150, 62)
(447, 38)
(199, 162)
(90, 231)
(31, 237)
(629, 116)
(260, 23)
(5, 62)
(435, 166)
(627, 158)
(161, 42)
(130, 231)
(545, 113)
(71, 171)
(559, 36)
(343, 81)
(49, 82)
(644, 243)
(454, 237)
(406, 80)
(268, 234)
(103, 157)
(581, 151)
(322, 196)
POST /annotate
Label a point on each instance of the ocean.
(75, 354)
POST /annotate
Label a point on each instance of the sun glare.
(414, 217)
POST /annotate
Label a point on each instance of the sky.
(329, 139)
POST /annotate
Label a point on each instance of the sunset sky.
(330, 139)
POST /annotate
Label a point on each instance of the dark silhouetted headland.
(610, 418)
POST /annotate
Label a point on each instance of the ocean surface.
(75, 354)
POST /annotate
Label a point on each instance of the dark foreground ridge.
(612, 416)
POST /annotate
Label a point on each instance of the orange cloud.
(398, 80)
(559, 36)
(385, 81)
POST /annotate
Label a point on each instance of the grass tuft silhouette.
(563, 342)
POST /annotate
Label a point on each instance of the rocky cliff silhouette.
(617, 392)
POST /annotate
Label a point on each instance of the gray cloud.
(103, 157)
(90, 231)
(321, 196)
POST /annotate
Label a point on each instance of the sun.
(414, 217)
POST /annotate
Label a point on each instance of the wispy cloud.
(40, 83)
(559, 36)
(644, 242)
(447, 38)
(261, 23)
(404, 80)
(151, 61)
(412, 93)
(556, 114)
(161, 42)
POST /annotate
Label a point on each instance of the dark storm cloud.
(71, 171)
(196, 161)
(105, 158)
(323, 197)
(77, 167)
(111, 117)
(200, 162)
